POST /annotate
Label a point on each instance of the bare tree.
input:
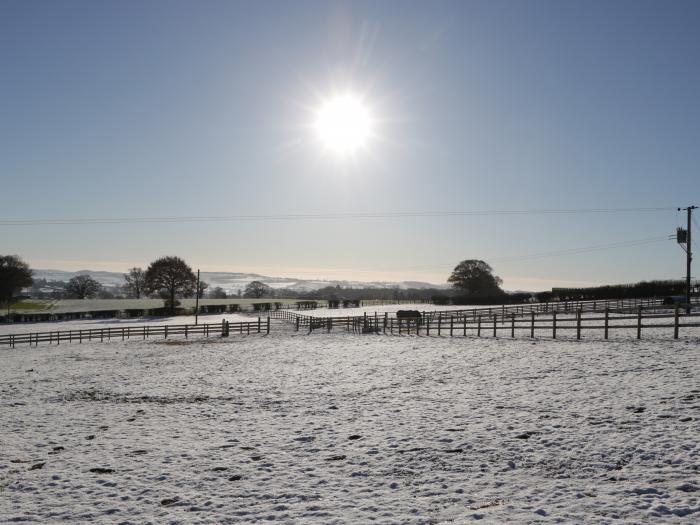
(173, 277)
(202, 287)
(82, 286)
(15, 274)
(135, 283)
(256, 289)
(218, 293)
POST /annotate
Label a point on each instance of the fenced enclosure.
(498, 322)
(223, 329)
(597, 318)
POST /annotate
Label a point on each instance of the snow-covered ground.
(86, 324)
(379, 309)
(341, 428)
(563, 319)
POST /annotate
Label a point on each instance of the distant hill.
(232, 282)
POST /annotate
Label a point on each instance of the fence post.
(452, 324)
(465, 325)
(495, 321)
(675, 323)
(607, 321)
(532, 325)
(554, 324)
(268, 325)
(297, 328)
(639, 322)
(478, 327)
(578, 323)
(166, 331)
(439, 323)
(329, 324)
(427, 324)
(386, 319)
(512, 325)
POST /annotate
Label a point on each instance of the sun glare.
(343, 124)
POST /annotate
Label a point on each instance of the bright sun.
(343, 124)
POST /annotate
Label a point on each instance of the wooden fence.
(223, 329)
(510, 324)
(531, 319)
(617, 306)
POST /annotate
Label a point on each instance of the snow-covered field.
(379, 309)
(86, 324)
(341, 428)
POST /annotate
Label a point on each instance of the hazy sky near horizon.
(179, 108)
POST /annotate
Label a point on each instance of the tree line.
(171, 278)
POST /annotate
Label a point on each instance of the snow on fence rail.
(223, 329)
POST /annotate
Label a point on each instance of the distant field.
(93, 305)
(33, 305)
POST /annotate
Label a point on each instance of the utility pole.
(196, 301)
(688, 252)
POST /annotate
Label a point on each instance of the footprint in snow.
(526, 435)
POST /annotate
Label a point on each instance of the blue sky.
(152, 109)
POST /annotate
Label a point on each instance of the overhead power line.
(315, 216)
(585, 249)
(557, 253)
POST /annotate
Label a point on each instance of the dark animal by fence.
(408, 314)
(409, 317)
